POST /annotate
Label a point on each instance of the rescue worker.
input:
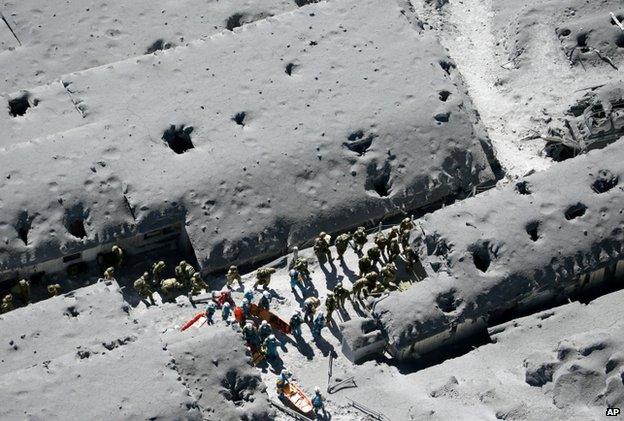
(142, 288)
(394, 233)
(269, 347)
(184, 272)
(265, 300)
(406, 224)
(250, 333)
(264, 331)
(211, 308)
(245, 307)
(248, 294)
(54, 290)
(388, 276)
(232, 276)
(109, 274)
(394, 250)
(295, 323)
(342, 243)
(381, 241)
(158, 269)
(7, 304)
(310, 305)
(117, 255)
(168, 285)
(226, 311)
(409, 256)
(365, 265)
(263, 277)
(360, 287)
(197, 284)
(330, 306)
(282, 381)
(22, 289)
(319, 323)
(301, 264)
(321, 248)
(404, 230)
(359, 238)
(374, 254)
(294, 279)
(341, 294)
(318, 403)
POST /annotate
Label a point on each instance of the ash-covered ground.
(484, 135)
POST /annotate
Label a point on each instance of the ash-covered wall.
(319, 119)
(511, 248)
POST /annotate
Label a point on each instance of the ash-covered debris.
(584, 370)
(593, 37)
(498, 267)
(361, 339)
(594, 121)
(215, 367)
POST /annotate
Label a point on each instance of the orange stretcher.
(298, 399)
(272, 319)
(192, 321)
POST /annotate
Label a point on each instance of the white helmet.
(264, 323)
(245, 301)
(317, 389)
(272, 337)
(226, 304)
(267, 294)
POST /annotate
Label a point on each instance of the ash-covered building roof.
(512, 245)
(319, 119)
(86, 355)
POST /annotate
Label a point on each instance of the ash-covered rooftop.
(329, 116)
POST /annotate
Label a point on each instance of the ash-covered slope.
(80, 356)
(56, 39)
(216, 368)
(512, 247)
(319, 119)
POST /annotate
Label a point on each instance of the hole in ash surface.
(235, 387)
(619, 40)
(19, 105)
(532, 229)
(481, 256)
(446, 301)
(239, 118)
(179, 138)
(447, 66)
(158, 45)
(565, 32)
(290, 67)
(444, 95)
(575, 211)
(378, 179)
(558, 151)
(359, 143)
(581, 39)
(234, 21)
(71, 312)
(74, 221)
(304, 2)
(442, 117)
(605, 181)
(523, 187)
(23, 225)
